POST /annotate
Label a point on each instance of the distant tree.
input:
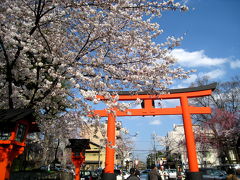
(153, 158)
(124, 145)
(224, 122)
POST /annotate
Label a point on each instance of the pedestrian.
(133, 174)
(238, 173)
(154, 174)
(102, 174)
(161, 173)
(179, 175)
(137, 173)
(231, 175)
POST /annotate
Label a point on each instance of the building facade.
(95, 157)
(176, 147)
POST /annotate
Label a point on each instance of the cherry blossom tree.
(91, 46)
(124, 146)
(221, 133)
(55, 54)
(223, 125)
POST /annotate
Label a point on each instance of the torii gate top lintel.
(170, 94)
(148, 108)
(173, 91)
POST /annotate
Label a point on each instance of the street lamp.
(78, 147)
(14, 127)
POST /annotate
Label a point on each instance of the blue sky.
(211, 45)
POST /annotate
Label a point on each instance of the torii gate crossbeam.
(185, 110)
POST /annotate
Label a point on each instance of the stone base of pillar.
(194, 176)
(109, 176)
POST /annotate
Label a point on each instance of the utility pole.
(154, 148)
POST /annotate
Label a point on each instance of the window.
(5, 133)
(20, 132)
(77, 153)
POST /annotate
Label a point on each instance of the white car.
(118, 174)
(125, 174)
(170, 174)
(121, 175)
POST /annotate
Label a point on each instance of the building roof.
(79, 144)
(97, 145)
(13, 115)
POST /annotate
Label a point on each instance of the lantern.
(78, 147)
(14, 127)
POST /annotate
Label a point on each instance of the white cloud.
(185, 1)
(155, 122)
(196, 58)
(235, 64)
(214, 74)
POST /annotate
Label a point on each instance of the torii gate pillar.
(110, 151)
(194, 173)
(148, 110)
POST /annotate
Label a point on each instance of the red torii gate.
(148, 110)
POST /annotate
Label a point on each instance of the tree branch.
(48, 46)
(8, 75)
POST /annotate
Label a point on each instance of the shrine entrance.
(149, 110)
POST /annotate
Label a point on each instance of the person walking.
(154, 174)
(231, 175)
(161, 173)
(133, 174)
(238, 173)
(137, 173)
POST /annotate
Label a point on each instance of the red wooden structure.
(78, 147)
(149, 110)
(14, 127)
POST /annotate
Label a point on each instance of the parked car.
(119, 174)
(144, 174)
(146, 171)
(125, 174)
(226, 167)
(170, 174)
(213, 174)
(45, 168)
